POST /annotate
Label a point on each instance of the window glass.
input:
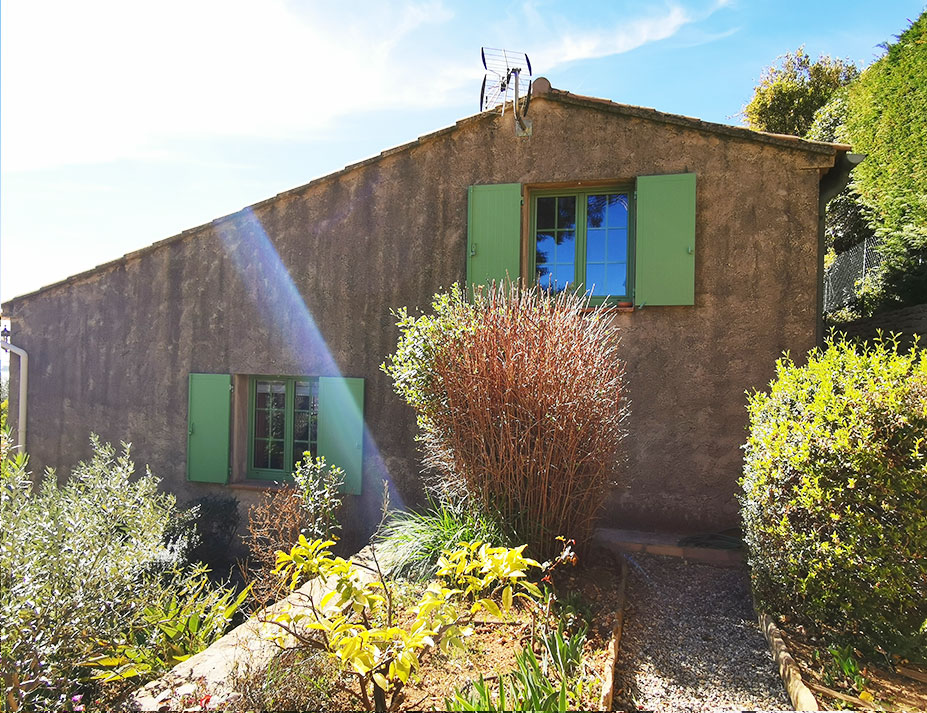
(547, 210)
(269, 423)
(305, 418)
(555, 244)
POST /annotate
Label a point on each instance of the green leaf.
(507, 599)
(490, 606)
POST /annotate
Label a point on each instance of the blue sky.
(123, 123)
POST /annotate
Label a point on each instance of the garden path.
(691, 641)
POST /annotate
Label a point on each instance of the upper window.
(640, 250)
(583, 238)
(284, 424)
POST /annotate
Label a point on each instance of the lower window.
(254, 426)
(284, 415)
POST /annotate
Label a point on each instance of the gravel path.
(691, 641)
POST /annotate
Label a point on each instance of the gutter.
(23, 390)
(832, 182)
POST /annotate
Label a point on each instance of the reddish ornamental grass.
(528, 412)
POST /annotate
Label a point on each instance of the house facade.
(224, 352)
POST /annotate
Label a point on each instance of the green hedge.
(834, 496)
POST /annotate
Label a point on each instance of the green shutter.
(494, 233)
(665, 240)
(209, 410)
(341, 427)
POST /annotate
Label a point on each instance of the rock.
(186, 689)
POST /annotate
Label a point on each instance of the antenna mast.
(501, 84)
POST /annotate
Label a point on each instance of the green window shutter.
(665, 240)
(208, 414)
(493, 233)
(341, 427)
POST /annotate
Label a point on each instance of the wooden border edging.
(801, 696)
(608, 675)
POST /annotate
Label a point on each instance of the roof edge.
(6, 307)
(741, 132)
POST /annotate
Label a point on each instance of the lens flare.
(286, 322)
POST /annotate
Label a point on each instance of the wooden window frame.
(581, 191)
(268, 474)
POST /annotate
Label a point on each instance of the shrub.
(318, 487)
(357, 623)
(282, 515)
(518, 400)
(178, 619)
(78, 562)
(834, 496)
(216, 522)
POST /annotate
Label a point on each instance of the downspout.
(23, 390)
(832, 182)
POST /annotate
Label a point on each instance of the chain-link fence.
(847, 271)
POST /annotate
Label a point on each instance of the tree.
(790, 94)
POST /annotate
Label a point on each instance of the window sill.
(607, 309)
(258, 485)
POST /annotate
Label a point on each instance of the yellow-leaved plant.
(346, 622)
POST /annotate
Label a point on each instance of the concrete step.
(667, 544)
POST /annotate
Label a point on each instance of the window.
(258, 427)
(284, 424)
(583, 238)
(630, 242)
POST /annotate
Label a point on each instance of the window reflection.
(555, 244)
(607, 244)
(603, 231)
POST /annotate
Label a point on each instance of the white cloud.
(579, 44)
(109, 79)
(102, 80)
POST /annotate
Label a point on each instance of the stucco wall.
(111, 351)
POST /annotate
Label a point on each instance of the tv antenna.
(505, 71)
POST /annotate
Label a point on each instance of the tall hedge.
(887, 120)
(834, 498)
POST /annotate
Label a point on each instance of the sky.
(123, 122)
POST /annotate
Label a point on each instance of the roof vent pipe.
(23, 386)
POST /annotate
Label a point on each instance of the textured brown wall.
(111, 351)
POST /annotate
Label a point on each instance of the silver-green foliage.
(72, 559)
(834, 498)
